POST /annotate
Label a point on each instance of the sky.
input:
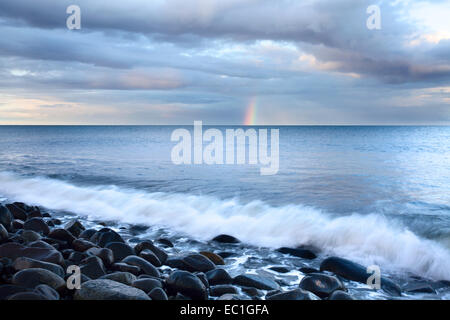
(261, 62)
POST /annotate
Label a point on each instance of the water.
(373, 194)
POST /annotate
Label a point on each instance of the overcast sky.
(173, 62)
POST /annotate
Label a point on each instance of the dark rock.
(46, 215)
(40, 244)
(321, 285)
(187, 284)
(46, 291)
(298, 252)
(226, 254)
(165, 242)
(76, 257)
(297, 294)
(280, 269)
(38, 225)
(158, 294)
(218, 276)
(221, 289)
(419, 288)
(17, 224)
(353, 271)
(150, 257)
(35, 213)
(6, 218)
(340, 295)
(82, 245)
(104, 289)
(62, 234)
(3, 234)
(16, 211)
(30, 278)
(27, 296)
(93, 267)
(145, 266)
(87, 234)
(218, 260)
(307, 270)
(30, 236)
(105, 254)
(22, 263)
(224, 238)
(198, 262)
(230, 297)
(124, 267)
(122, 277)
(7, 290)
(105, 236)
(147, 285)
(256, 281)
(56, 221)
(161, 254)
(120, 250)
(49, 223)
(252, 292)
(202, 278)
(15, 250)
(74, 227)
(66, 253)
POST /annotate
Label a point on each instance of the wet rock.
(218, 276)
(280, 269)
(30, 278)
(105, 254)
(120, 250)
(150, 257)
(320, 284)
(307, 270)
(30, 236)
(230, 297)
(202, 278)
(105, 236)
(145, 266)
(14, 250)
(226, 254)
(198, 262)
(124, 267)
(296, 294)
(56, 221)
(158, 294)
(298, 252)
(353, 271)
(218, 260)
(122, 277)
(93, 267)
(252, 292)
(104, 289)
(22, 263)
(37, 224)
(7, 290)
(17, 224)
(87, 234)
(187, 284)
(16, 211)
(3, 234)
(340, 295)
(74, 227)
(23, 296)
(221, 289)
(165, 242)
(46, 291)
(76, 257)
(82, 245)
(420, 287)
(62, 234)
(256, 281)
(224, 238)
(6, 218)
(147, 285)
(161, 254)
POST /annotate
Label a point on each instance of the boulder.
(224, 238)
(14, 250)
(218, 276)
(22, 263)
(340, 295)
(187, 284)
(6, 218)
(191, 262)
(30, 236)
(256, 281)
(62, 234)
(120, 250)
(296, 294)
(104, 289)
(145, 266)
(7, 290)
(74, 227)
(30, 278)
(17, 211)
(221, 289)
(82, 245)
(161, 254)
(298, 252)
(218, 260)
(46, 291)
(105, 254)
(122, 277)
(93, 267)
(124, 267)
(105, 236)
(158, 294)
(38, 225)
(147, 284)
(148, 255)
(321, 285)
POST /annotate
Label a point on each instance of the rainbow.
(250, 114)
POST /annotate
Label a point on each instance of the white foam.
(365, 238)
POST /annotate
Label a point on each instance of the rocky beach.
(39, 249)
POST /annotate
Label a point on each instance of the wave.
(369, 239)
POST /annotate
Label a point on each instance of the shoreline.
(119, 261)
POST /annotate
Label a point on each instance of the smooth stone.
(256, 281)
(122, 277)
(7, 290)
(62, 234)
(76, 257)
(37, 224)
(147, 285)
(202, 278)
(22, 296)
(215, 258)
(30, 236)
(3, 234)
(147, 244)
(87, 234)
(279, 269)
(105, 254)
(30, 278)
(252, 292)
(321, 285)
(40, 244)
(307, 270)
(16, 211)
(124, 267)
(353, 271)
(22, 263)
(148, 255)
(218, 276)
(6, 218)
(18, 224)
(82, 245)
(93, 267)
(298, 252)
(224, 238)
(165, 242)
(230, 297)
(104, 289)
(48, 292)
(120, 250)
(198, 262)
(296, 294)
(187, 284)
(56, 221)
(340, 295)
(221, 289)
(105, 236)
(74, 227)
(158, 294)
(419, 288)
(145, 266)
(15, 250)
